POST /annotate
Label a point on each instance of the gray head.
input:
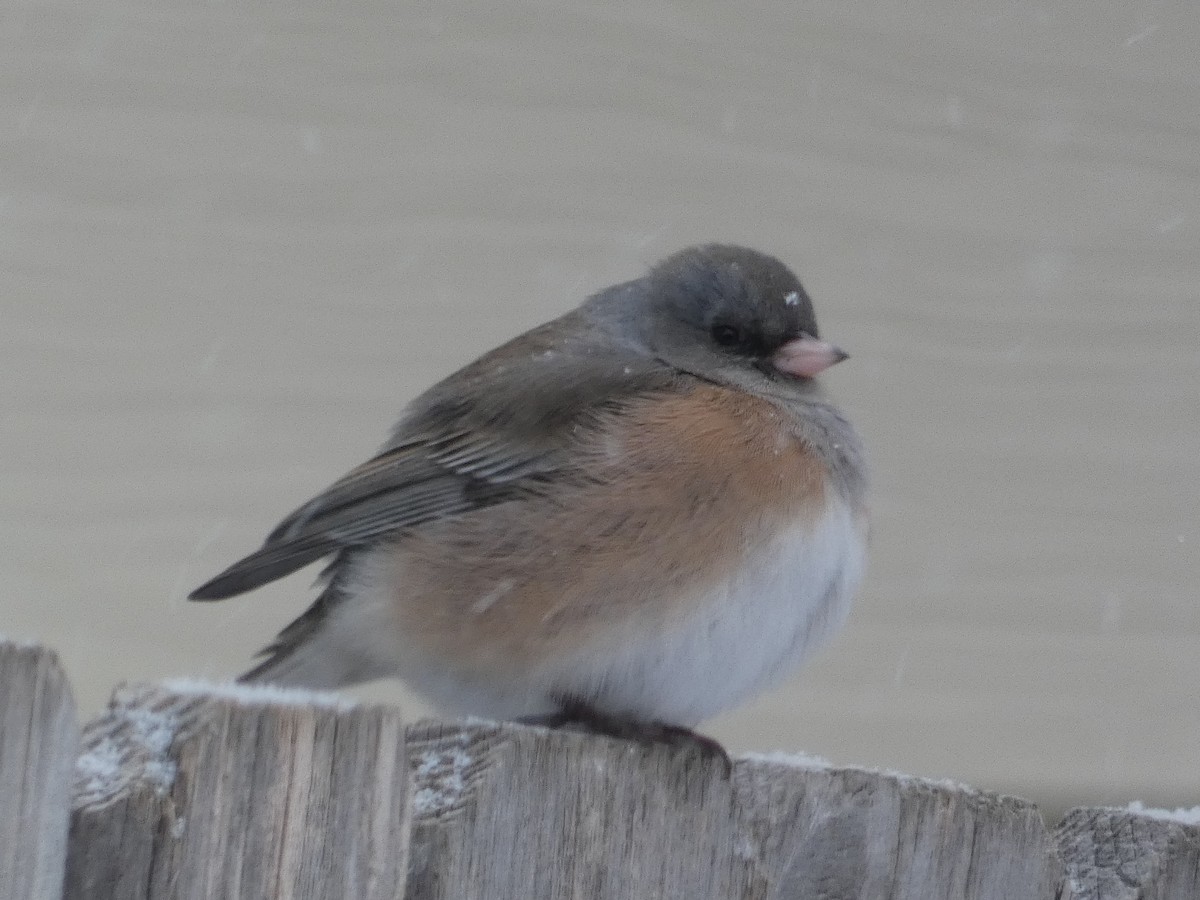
(729, 314)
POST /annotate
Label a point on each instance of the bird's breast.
(740, 635)
(708, 552)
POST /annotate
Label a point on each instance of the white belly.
(742, 636)
(745, 635)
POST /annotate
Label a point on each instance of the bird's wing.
(472, 441)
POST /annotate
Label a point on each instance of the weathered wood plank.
(1121, 854)
(39, 738)
(507, 811)
(203, 792)
(843, 832)
(503, 811)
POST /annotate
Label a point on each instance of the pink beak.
(806, 356)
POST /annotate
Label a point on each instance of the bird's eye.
(726, 335)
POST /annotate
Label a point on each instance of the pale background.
(235, 239)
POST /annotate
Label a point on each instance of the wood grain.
(39, 737)
(1120, 854)
(239, 793)
(209, 791)
(508, 811)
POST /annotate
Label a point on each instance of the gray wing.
(399, 489)
(469, 443)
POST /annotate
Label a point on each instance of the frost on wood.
(1130, 854)
(132, 744)
(239, 793)
(1189, 815)
(38, 740)
(510, 811)
(191, 791)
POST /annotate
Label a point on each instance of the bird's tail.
(324, 648)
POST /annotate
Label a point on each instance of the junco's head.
(731, 315)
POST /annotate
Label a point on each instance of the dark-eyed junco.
(635, 516)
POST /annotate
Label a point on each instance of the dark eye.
(726, 335)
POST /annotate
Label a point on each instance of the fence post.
(209, 791)
(203, 792)
(505, 811)
(39, 737)
(1123, 854)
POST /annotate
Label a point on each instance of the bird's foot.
(577, 715)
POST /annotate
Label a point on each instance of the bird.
(626, 520)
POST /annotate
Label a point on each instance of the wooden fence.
(203, 791)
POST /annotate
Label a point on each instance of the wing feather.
(507, 438)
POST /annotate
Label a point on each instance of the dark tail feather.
(259, 568)
(306, 654)
(299, 657)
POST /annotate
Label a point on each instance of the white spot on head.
(792, 299)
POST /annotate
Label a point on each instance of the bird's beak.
(806, 356)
